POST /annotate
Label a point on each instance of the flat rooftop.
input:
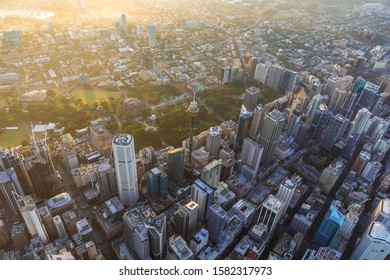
(273, 203)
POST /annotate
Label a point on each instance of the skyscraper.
(269, 138)
(176, 163)
(294, 119)
(367, 99)
(333, 131)
(101, 138)
(106, 182)
(371, 171)
(271, 213)
(251, 97)
(360, 122)
(315, 103)
(125, 167)
(337, 100)
(213, 141)
(9, 184)
(251, 154)
(31, 217)
(123, 23)
(360, 162)
(152, 35)
(352, 97)
(203, 195)
(244, 124)
(211, 173)
(288, 80)
(328, 228)
(331, 84)
(261, 72)
(216, 223)
(275, 74)
(184, 220)
(319, 121)
(375, 242)
(156, 184)
(257, 124)
(286, 191)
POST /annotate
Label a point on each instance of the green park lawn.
(13, 138)
(94, 96)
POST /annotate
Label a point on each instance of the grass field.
(13, 138)
(91, 96)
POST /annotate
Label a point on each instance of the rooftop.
(379, 231)
(59, 200)
(273, 203)
(122, 139)
(386, 206)
(98, 128)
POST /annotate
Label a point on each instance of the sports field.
(13, 138)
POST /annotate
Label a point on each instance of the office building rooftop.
(122, 139)
(273, 203)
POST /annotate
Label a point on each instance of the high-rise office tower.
(236, 73)
(373, 125)
(216, 223)
(136, 233)
(314, 87)
(286, 191)
(337, 100)
(106, 182)
(360, 162)
(331, 174)
(203, 195)
(257, 123)
(368, 98)
(271, 212)
(303, 99)
(243, 128)
(225, 74)
(184, 220)
(333, 131)
(48, 223)
(269, 138)
(15, 160)
(352, 97)
(331, 84)
(178, 249)
(156, 184)
(211, 173)
(281, 104)
(371, 171)
(288, 80)
(118, 26)
(39, 171)
(360, 122)
(375, 242)
(176, 163)
(125, 168)
(294, 119)
(319, 121)
(328, 228)
(124, 23)
(251, 97)
(261, 72)
(31, 217)
(315, 103)
(145, 232)
(152, 35)
(275, 74)
(251, 154)
(252, 66)
(60, 227)
(213, 141)
(9, 184)
(350, 146)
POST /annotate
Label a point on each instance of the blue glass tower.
(330, 225)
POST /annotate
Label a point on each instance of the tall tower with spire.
(192, 112)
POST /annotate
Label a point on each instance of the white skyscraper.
(31, 217)
(286, 191)
(213, 141)
(375, 242)
(271, 212)
(251, 154)
(360, 122)
(125, 168)
(152, 35)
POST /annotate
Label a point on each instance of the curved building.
(126, 168)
